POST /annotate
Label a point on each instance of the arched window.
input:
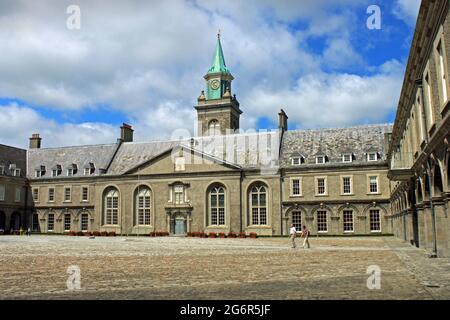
(258, 205)
(217, 205)
(143, 206)
(111, 203)
(214, 127)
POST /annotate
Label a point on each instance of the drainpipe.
(281, 201)
(419, 82)
(240, 200)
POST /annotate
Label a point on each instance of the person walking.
(293, 234)
(305, 235)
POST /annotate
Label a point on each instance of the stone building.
(15, 201)
(220, 180)
(419, 150)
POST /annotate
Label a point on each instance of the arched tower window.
(214, 127)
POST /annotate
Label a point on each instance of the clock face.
(215, 84)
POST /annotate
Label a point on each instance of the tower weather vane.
(218, 33)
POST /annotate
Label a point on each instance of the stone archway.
(15, 222)
(2, 221)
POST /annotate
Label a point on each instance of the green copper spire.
(219, 61)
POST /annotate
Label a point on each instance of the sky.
(143, 62)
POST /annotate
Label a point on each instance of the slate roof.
(247, 150)
(131, 154)
(100, 155)
(15, 157)
(333, 143)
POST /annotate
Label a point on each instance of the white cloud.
(324, 100)
(407, 10)
(147, 59)
(19, 122)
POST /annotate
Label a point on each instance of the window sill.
(322, 231)
(353, 231)
(321, 195)
(347, 194)
(296, 195)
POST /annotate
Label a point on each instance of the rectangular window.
(347, 158)
(67, 194)
(372, 156)
(322, 225)
(296, 161)
(17, 172)
(69, 172)
(38, 173)
(84, 194)
(296, 188)
(54, 173)
(87, 171)
(373, 184)
(35, 194)
(178, 194)
(18, 194)
(51, 194)
(348, 220)
(51, 222)
(2, 192)
(67, 222)
(2, 170)
(441, 69)
(84, 222)
(321, 186)
(375, 225)
(428, 102)
(320, 159)
(347, 185)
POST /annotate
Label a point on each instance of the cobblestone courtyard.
(189, 268)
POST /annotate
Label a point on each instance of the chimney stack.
(282, 123)
(35, 141)
(126, 133)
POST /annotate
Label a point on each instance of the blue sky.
(142, 62)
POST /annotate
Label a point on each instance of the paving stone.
(190, 268)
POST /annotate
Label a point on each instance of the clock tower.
(217, 109)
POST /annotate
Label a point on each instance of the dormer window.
(320, 159)
(56, 170)
(14, 170)
(72, 170)
(40, 171)
(347, 157)
(296, 161)
(372, 156)
(2, 170)
(89, 169)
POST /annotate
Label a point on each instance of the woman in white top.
(293, 233)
